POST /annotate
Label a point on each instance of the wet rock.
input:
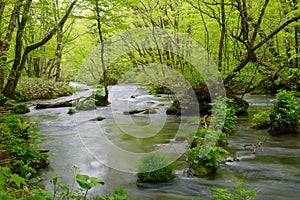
(150, 111)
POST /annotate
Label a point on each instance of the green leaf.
(87, 182)
(17, 180)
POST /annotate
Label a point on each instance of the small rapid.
(101, 149)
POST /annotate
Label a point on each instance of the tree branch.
(257, 26)
(293, 19)
(53, 31)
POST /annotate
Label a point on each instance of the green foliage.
(285, 112)
(229, 112)
(21, 139)
(261, 120)
(30, 89)
(85, 182)
(154, 168)
(13, 186)
(239, 193)
(205, 165)
(20, 108)
(71, 111)
(100, 98)
(159, 89)
(86, 105)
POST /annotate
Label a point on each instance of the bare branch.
(267, 38)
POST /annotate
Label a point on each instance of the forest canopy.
(255, 44)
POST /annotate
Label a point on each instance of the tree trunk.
(222, 37)
(5, 45)
(58, 55)
(15, 71)
(20, 59)
(59, 47)
(102, 51)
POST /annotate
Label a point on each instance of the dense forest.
(185, 49)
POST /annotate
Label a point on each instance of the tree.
(20, 56)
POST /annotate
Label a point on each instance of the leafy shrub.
(20, 138)
(155, 168)
(261, 120)
(239, 193)
(285, 113)
(13, 186)
(71, 111)
(36, 88)
(100, 98)
(20, 108)
(86, 105)
(86, 183)
(208, 164)
(229, 112)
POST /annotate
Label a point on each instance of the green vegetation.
(239, 193)
(209, 163)
(19, 138)
(71, 111)
(100, 98)
(34, 88)
(261, 120)
(284, 114)
(88, 104)
(254, 44)
(20, 108)
(154, 168)
(13, 186)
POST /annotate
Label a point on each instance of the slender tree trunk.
(59, 47)
(102, 50)
(222, 37)
(287, 41)
(14, 74)
(2, 7)
(20, 59)
(5, 45)
(58, 55)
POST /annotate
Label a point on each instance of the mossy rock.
(98, 118)
(103, 102)
(150, 111)
(174, 109)
(20, 108)
(160, 89)
(71, 111)
(131, 112)
(284, 129)
(155, 168)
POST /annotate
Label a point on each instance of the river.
(101, 149)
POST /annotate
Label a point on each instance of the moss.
(20, 108)
(174, 109)
(150, 111)
(155, 168)
(71, 111)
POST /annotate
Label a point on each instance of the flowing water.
(111, 149)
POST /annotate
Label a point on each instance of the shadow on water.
(274, 171)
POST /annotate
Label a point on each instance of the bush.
(71, 111)
(155, 168)
(37, 88)
(208, 164)
(261, 120)
(284, 114)
(20, 138)
(239, 193)
(100, 98)
(20, 108)
(230, 111)
(86, 105)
